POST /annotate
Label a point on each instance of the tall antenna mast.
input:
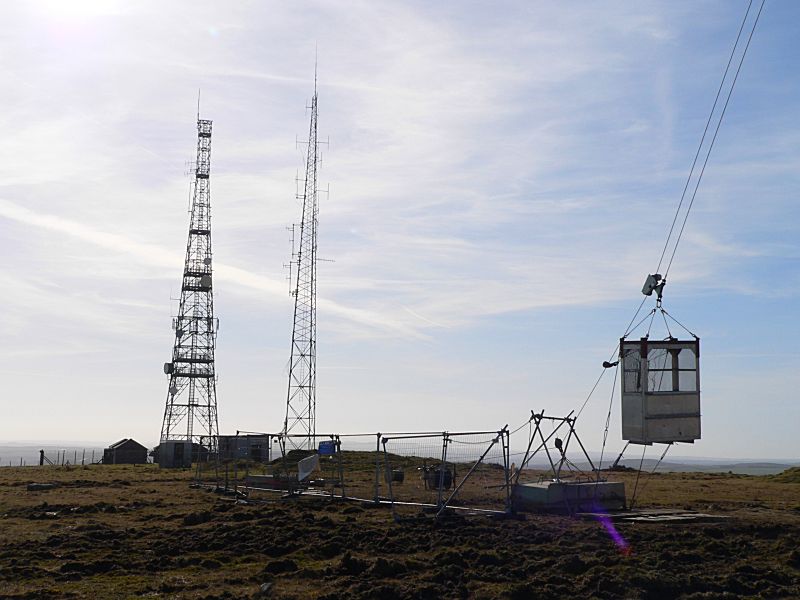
(191, 412)
(301, 400)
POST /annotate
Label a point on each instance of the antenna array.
(301, 396)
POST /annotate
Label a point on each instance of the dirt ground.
(137, 532)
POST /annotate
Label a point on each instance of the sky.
(500, 180)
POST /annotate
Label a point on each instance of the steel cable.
(702, 139)
(716, 131)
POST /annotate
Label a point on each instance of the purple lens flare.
(622, 544)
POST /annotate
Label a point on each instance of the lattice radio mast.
(302, 394)
(191, 411)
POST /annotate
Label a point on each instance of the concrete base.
(554, 496)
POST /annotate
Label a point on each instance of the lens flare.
(622, 544)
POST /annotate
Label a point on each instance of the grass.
(788, 476)
(138, 532)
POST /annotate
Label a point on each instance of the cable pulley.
(654, 283)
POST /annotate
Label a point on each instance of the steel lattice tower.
(302, 394)
(191, 411)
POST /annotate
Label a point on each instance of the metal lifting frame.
(569, 420)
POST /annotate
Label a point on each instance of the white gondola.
(660, 390)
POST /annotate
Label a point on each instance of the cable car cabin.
(660, 390)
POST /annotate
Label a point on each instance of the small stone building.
(125, 452)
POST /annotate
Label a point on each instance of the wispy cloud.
(153, 255)
(489, 164)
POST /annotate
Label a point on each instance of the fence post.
(442, 468)
(377, 467)
(387, 469)
(507, 460)
(236, 465)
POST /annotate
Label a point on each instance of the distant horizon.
(78, 445)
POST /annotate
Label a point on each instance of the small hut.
(125, 452)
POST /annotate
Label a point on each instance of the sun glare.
(76, 9)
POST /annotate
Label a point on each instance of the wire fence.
(23, 456)
(414, 472)
(448, 471)
(253, 464)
